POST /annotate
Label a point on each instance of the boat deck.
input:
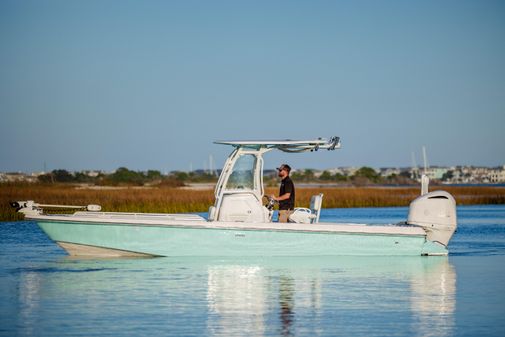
(138, 216)
(196, 221)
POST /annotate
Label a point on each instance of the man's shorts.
(284, 215)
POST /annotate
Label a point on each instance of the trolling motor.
(30, 207)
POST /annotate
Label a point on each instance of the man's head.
(284, 170)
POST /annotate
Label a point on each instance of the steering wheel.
(270, 202)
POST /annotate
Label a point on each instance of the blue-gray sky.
(150, 84)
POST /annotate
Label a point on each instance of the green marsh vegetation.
(165, 198)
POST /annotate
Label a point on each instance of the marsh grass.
(176, 200)
(346, 197)
(141, 200)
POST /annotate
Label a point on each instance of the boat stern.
(435, 212)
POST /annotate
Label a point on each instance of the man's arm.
(285, 196)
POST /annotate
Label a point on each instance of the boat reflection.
(248, 296)
(302, 292)
(433, 299)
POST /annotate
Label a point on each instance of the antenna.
(211, 171)
(425, 181)
(425, 159)
(415, 170)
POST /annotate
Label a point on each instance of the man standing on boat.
(286, 196)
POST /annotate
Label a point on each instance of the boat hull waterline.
(109, 240)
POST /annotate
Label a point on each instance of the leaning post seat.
(316, 203)
(308, 215)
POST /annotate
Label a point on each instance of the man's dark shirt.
(287, 186)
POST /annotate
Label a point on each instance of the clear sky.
(151, 84)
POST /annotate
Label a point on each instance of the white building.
(386, 172)
(497, 175)
(436, 172)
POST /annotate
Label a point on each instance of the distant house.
(497, 175)
(11, 177)
(387, 172)
(436, 173)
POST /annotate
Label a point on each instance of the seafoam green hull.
(183, 241)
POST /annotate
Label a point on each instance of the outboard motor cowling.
(436, 213)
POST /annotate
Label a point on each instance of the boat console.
(239, 191)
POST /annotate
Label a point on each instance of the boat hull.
(106, 239)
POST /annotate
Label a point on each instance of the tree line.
(124, 176)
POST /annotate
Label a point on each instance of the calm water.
(45, 293)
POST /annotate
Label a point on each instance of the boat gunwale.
(319, 228)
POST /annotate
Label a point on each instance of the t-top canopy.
(286, 145)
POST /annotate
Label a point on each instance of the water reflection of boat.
(240, 225)
(245, 294)
(249, 296)
(433, 300)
